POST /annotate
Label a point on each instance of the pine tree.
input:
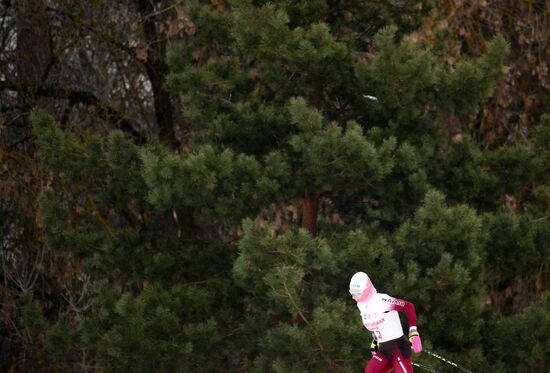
(144, 311)
(292, 110)
(280, 92)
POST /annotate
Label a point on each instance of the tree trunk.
(310, 211)
(33, 52)
(157, 69)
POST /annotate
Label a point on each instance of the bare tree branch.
(104, 111)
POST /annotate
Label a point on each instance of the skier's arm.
(396, 304)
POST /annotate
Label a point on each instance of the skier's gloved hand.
(374, 346)
(414, 339)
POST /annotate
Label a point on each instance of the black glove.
(374, 346)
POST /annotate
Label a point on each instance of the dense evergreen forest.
(188, 186)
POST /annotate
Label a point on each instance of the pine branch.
(99, 217)
(302, 316)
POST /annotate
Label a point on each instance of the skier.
(390, 347)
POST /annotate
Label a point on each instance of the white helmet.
(361, 288)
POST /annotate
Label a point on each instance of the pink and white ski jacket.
(379, 314)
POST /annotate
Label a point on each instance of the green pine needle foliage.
(196, 260)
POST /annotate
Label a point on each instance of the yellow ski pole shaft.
(426, 368)
(447, 361)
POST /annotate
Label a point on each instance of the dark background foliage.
(188, 186)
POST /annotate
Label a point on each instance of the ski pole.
(447, 361)
(426, 368)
